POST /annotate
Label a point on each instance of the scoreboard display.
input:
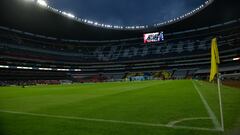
(153, 37)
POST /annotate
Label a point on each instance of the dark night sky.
(126, 12)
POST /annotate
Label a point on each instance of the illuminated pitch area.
(128, 108)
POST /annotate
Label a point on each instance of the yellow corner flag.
(214, 59)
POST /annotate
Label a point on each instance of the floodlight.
(3, 66)
(42, 3)
(235, 59)
(29, 0)
(47, 69)
(68, 14)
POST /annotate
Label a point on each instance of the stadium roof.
(29, 17)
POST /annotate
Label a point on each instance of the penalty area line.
(108, 121)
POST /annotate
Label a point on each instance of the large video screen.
(153, 37)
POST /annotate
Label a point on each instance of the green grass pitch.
(183, 107)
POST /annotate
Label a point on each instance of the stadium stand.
(185, 53)
(175, 53)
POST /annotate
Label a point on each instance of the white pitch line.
(173, 123)
(209, 110)
(108, 121)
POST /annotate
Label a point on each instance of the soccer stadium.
(61, 74)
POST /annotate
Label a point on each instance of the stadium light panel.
(42, 3)
(3, 66)
(68, 15)
(77, 70)
(235, 59)
(90, 22)
(29, 0)
(24, 67)
(63, 69)
(47, 69)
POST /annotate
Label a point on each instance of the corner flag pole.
(215, 60)
(220, 100)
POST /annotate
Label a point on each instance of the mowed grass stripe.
(41, 96)
(147, 102)
(158, 103)
(151, 101)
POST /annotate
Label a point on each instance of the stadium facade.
(38, 43)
